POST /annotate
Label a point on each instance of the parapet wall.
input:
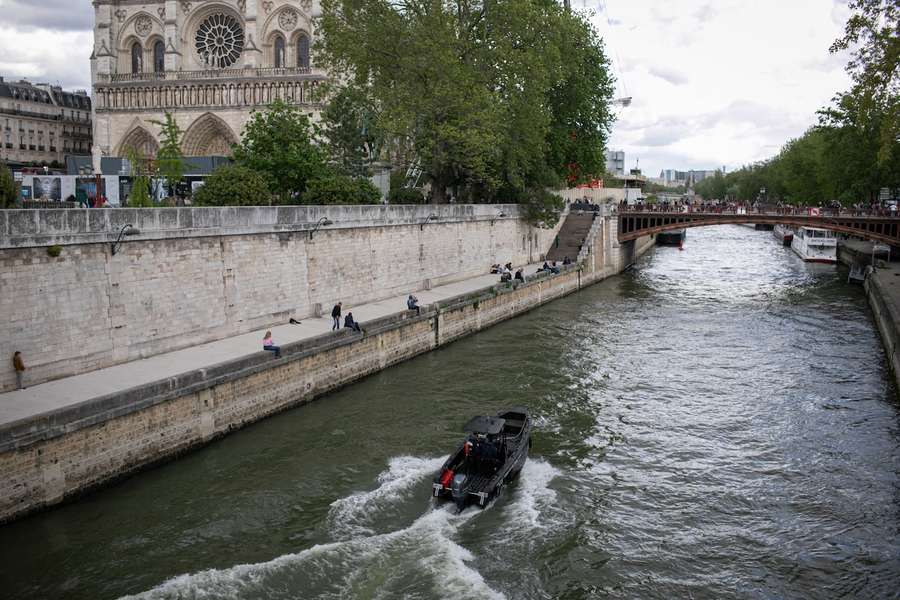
(194, 275)
(62, 454)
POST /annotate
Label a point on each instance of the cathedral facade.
(208, 62)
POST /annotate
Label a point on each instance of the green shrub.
(331, 188)
(406, 196)
(54, 250)
(233, 185)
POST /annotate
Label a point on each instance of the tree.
(140, 182)
(170, 163)
(349, 126)
(481, 93)
(335, 188)
(9, 189)
(873, 30)
(277, 143)
(233, 185)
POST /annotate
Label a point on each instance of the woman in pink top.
(269, 344)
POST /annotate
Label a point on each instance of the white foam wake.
(351, 516)
(426, 545)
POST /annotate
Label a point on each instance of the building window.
(159, 57)
(136, 58)
(303, 51)
(219, 40)
(279, 52)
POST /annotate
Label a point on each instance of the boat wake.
(420, 556)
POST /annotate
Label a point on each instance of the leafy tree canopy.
(9, 190)
(277, 142)
(170, 163)
(233, 185)
(334, 188)
(494, 98)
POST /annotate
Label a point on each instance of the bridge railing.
(804, 211)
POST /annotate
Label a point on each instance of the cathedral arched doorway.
(208, 136)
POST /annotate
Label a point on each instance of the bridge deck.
(878, 227)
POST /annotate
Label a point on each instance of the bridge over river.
(879, 227)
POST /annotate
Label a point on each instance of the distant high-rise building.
(615, 162)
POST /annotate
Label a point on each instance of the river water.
(717, 423)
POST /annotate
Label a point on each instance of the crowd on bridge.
(832, 209)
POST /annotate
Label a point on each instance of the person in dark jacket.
(412, 303)
(19, 366)
(349, 322)
(336, 317)
(520, 276)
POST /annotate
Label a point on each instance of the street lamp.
(431, 217)
(323, 221)
(128, 229)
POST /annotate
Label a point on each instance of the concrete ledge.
(63, 227)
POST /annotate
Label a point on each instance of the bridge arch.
(633, 225)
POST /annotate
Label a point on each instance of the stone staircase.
(571, 237)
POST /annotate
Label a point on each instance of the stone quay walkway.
(69, 391)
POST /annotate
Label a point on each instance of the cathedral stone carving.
(288, 19)
(210, 68)
(143, 25)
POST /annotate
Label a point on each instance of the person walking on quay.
(20, 369)
(336, 317)
(269, 345)
(412, 303)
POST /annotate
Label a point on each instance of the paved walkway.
(52, 395)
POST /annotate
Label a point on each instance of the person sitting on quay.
(544, 267)
(508, 266)
(554, 268)
(412, 303)
(269, 345)
(566, 261)
(520, 275)
(495, 269)
(505, 274)
(350, 323)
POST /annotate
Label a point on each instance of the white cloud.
(719, 84)
(47, 56)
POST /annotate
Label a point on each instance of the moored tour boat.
(783, 234)
(813, 244)
(674, 237)
(493, 453)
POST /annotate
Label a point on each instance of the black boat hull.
(473, 481)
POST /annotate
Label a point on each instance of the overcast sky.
(719, 83)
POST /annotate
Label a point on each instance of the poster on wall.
(47, 188)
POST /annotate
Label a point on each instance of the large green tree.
(873, 34)
(278, 143)
(170, 164)
(9, 190)
(493, 98)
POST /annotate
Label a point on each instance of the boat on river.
(783, 234)
(814, 244)
(674, 237)
(492, 454)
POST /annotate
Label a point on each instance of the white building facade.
(208, 62)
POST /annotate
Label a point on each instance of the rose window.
(219, 40)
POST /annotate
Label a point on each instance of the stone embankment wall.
(60, 455)
(194, 275)
(885, 309)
